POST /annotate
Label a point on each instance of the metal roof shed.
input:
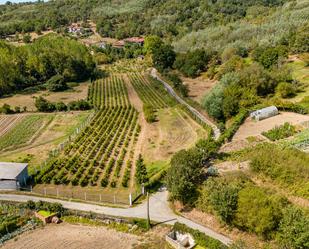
(13, 175)
(264, 113)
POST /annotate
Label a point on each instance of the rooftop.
(11, 170)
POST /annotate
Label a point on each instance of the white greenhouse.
(264, 113)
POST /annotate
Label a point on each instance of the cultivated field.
(7, 122)
(60, 128)
(27, 100)
(103, 152)
(71, 237)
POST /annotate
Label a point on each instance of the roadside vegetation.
(280, 132)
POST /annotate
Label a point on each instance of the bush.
(258, 211)
(280, 132)
(6, 109)
(285, 90)
(56, 84)
(79, 105)
(44, 105)
(149, 113)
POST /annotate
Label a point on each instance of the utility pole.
(148, 215)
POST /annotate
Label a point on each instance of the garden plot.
(7, 122)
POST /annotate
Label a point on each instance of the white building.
(13, 175)
(264, 113)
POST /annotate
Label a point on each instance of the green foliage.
(200, 238)
(177, 84)
(258, 211)
(141, 175)
(152, 42)
(270, 56)
(163, 57)
(280, 132)
(294, 229)
(285, 90)
(33, 64)
(191, 64)
(43, 105)
(6, 109)
(149, 113)
(286, 166)
(56, 83)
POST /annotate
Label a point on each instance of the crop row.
(150, 92)
(99, 154)
(108, 92)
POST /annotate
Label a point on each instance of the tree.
(258, 211)
(184, 174)
(294, 229)
(6, 109)
(152, 42)
(213, 102)
(56, 83)
(163, 57)
(43, 105)
(141, 175)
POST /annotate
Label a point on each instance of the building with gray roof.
(13, 175)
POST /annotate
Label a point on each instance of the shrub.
(56, 83)
(149, 113)
(141, 175)
(44, 105)
(280, 132)
(6, 109)
(285, 90)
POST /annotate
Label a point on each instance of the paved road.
(159, 211)
(215, 129)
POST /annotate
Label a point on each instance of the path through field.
(159, 211)
(71, 237)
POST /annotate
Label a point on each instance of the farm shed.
(13, 175)
(264, 113)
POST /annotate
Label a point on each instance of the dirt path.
(71, 237)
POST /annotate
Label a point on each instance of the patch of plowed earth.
(72, 237)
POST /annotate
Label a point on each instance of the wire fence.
(117, 198)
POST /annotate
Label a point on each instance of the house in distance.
(13, 176)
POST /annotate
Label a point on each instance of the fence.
(117, 198)
(56, 151)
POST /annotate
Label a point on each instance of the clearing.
(72, 236)
(21, 100)
(198, 87)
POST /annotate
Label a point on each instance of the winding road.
(159, 211)
(201, 117)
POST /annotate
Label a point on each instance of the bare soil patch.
(21, 100)
(228, 166)
(198, 87)
(250, 132)
(71, 237)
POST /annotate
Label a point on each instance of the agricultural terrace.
(102, 154)
(109, 92)
(24, 132)
(150, 91)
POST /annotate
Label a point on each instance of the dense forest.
(36, 63)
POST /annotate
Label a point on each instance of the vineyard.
(102, 155)
(150, 91)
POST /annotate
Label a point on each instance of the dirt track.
(72, 237)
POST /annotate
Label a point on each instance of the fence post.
(85, 196)
(45, 191)
(130, 199)
(57, 192)
(100, 198)
(143, 189)
(31, 188)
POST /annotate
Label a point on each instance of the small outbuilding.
(13, 175)
(180, 241)
(264, 113)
